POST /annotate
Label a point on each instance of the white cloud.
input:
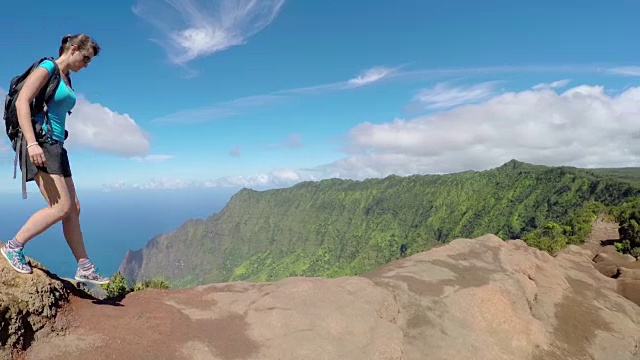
(582, 127)
(195, 28)
(444, 95)
(370, 76)
(152, 185)
(625, 70)
(97, 127)
(552, 85)
(153, 158)
(276, 178)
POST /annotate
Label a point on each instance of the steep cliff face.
(133, 260)
(177, 255)
(340, 227)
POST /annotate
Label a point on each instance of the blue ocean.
(111, 222)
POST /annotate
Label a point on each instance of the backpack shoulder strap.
(70, 83)
(50, 87)
(71, 86)
(54, 81)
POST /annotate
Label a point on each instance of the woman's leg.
(56, 193)
(87, 271)
(71, 224)
(54, 189)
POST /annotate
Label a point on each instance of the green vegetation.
(118, 287)
(553, 237)
(343, 227)
(628, 217)
(629, 174)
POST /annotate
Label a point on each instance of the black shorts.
(57, 161)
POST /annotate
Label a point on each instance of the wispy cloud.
(153, 158)
(444, 95)
(552, 85)
(366, 77)
(238, 106)
(370, 76)
(221, 110)
(625, 70)
(195, 28)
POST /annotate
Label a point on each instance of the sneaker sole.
(14, 268)
(91, 281)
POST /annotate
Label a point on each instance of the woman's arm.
(29, 90)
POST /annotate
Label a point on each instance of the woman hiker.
(47, 162)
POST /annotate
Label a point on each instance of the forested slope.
(344, 227)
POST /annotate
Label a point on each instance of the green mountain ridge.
(339, 227)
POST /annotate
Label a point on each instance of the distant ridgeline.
(343, 227)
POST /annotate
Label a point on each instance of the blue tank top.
(62, 102)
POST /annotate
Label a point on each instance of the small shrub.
(628, 216)
(116, 287)
(156, 283)
(622, 247)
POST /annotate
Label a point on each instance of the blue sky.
(269, 93)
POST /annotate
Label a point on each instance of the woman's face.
(80, 58)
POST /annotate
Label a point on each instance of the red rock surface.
(480, 298)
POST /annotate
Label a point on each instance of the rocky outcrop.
(624, 270)
(29, 305)
(481, 298)
(489, 299)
